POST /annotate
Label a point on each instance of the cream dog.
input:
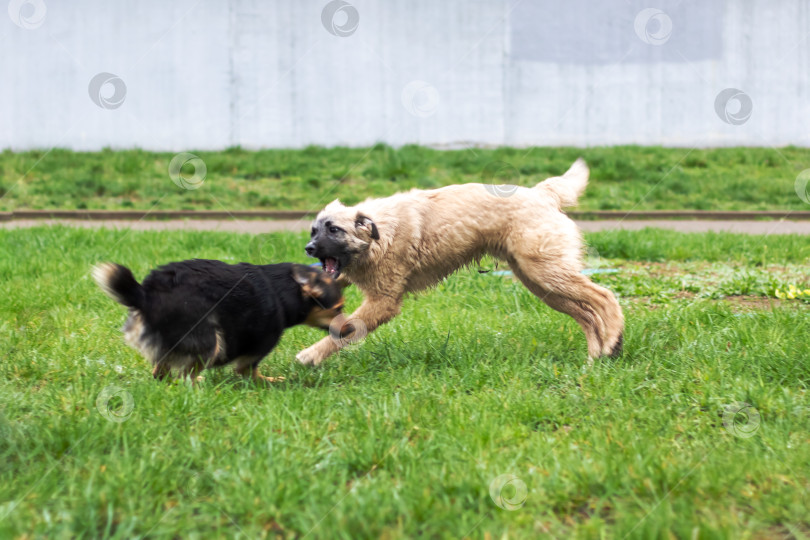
(411, 241)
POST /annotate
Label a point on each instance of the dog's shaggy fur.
(410, 241)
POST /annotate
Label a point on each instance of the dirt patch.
(748, 303)
(738, 303)
(709, 270)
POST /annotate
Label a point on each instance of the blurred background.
(209, 75)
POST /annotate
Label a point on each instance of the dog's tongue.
(330, 265)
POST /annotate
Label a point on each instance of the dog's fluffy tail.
(568, 187)
(119, 284)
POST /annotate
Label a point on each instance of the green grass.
(402, 435)
(624, 178)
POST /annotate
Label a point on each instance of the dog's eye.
(313, 232)
(333, 230)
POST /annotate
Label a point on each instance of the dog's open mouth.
(331, 266)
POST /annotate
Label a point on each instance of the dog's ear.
(364, 222)
(308, 280)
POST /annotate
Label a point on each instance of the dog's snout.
(310, 249)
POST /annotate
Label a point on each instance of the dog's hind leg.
(161, 371)
(581, 313)
(593, 307)
(374, 311)
(193, 369)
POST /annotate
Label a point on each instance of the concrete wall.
(206, 74)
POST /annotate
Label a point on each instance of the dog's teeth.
(330, 265)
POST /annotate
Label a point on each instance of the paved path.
(263, 226)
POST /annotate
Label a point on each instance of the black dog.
(197, 314)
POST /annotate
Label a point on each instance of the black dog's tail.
(119, 284)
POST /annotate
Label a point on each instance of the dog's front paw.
(309, 357)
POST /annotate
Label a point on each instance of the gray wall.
(205, 74)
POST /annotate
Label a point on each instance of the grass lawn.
(623, 178)
(409, 433)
